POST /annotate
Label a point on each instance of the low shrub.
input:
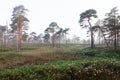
(5, 49)
(87, 52)
(98, 52)
(28, 48)
(8, 56)
(104, 70)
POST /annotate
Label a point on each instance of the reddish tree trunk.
(19, 35)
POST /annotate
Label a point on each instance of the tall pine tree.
(19, 23)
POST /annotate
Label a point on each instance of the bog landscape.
(55, 55)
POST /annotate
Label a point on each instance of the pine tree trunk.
(104, 38)
(115, 40)
(19, 34)
(53, 41)
(118, 38)
(65, 40)
(59, 41)
(92, 38)
(99, 36)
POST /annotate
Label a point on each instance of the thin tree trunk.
(53, 40)
(19, 34)
(115, 33)
(115, 40)
(65, 40)
(104, 38)
(59, 40)
(99, 37)
(92, 38)
(118, 38)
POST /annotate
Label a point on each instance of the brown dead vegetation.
(39, 56)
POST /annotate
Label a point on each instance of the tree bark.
(59, 40)
(53, 41)
(104, 37)
(115, 40)
(19, 34)
(92, 38)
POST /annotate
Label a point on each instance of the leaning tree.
(112, 26)
(86, 17)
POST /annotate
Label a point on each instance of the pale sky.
(64, 12)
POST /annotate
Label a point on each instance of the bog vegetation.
(53, 56)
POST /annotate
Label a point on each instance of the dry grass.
(37, 56)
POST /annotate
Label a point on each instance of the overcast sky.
(64, 12)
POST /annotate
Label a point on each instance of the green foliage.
(28, 48)
(86, 17)
(87, 52)
(108, 55)
(5, 49)
(92, 64)
(70, 70)
(8, 56)
(99, 53)
(19, 12)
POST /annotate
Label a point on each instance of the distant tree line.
(107, 30)
(57, 34)
(16, 36)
